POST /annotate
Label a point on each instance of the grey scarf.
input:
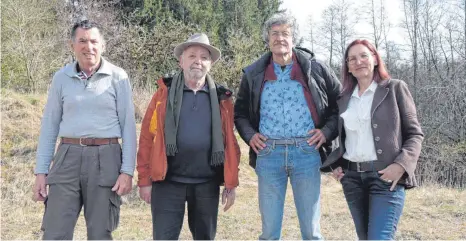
(175, 98)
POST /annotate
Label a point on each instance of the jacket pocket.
(114, 212)
(109, 164)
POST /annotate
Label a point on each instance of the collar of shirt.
(204, 88)
(296, 72)
(82, 75)
(371, 88)
(278, 69)
(73, 69)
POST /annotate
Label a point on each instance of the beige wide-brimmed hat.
(198, 39)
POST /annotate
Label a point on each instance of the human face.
(361, 62)
(281, 39)
(88, 46)
(195, 62)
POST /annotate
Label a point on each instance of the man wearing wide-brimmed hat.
(187, 147)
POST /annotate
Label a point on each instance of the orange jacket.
(152, 157)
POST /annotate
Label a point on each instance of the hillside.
(431, 211)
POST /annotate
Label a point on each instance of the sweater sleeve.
(50, 127)
(126, 117)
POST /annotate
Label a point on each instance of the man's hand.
(392, 174)
(123, 185)
(257, 142)
(228, 198)
(317, 138)
(338, 173)
(40, 189)
(145, 193)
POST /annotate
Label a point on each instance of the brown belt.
(366, 166)
(89, 141)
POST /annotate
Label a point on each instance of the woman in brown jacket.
(380, 142)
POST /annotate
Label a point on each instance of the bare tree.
(463, 6)
(335, 30)
(411, 9)
(345, 25)
(311, 25)
(379, 22)
(437, 71)
(464, 30)
(327, 32)
(29, 44)
(380, 28)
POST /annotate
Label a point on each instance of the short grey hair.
(280, 19)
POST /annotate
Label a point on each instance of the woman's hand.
(392, 174)
(338, 173)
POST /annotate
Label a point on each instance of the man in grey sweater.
(89, 108)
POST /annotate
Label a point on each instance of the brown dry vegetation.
(431, 212)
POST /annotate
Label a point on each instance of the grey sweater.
(101, 107)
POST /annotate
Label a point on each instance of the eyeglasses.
(354, 59)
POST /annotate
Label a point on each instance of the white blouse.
(359, 140)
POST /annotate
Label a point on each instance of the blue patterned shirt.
(284, 112)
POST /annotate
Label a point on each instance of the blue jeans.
(375, 209)
(300, 162)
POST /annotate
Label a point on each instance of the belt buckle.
(81, 141)
(358, 167)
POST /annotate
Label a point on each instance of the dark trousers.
(168, 207)
(375, 209)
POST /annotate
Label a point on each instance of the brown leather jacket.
(152, 159)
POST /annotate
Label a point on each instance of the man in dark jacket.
(286, 111)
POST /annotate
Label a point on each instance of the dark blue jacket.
(323, 85)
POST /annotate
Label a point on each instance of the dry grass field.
(431, 212)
